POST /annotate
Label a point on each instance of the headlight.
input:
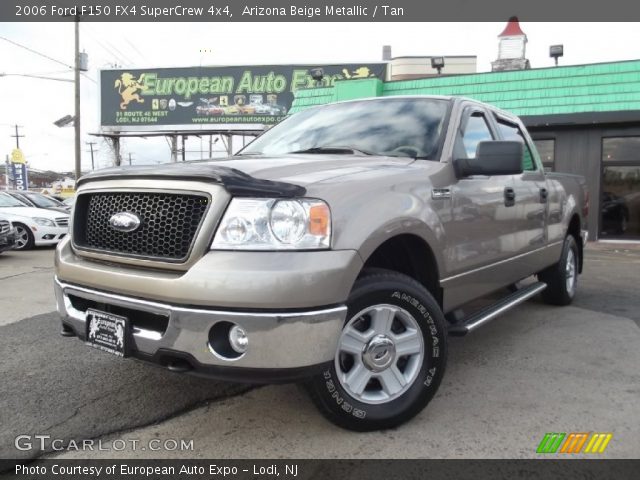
(271, 224)
(44, 222)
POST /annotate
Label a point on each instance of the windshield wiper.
(334, 150)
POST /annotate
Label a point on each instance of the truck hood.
(284, 176)
(305, 169)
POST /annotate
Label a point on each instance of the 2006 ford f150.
(340, 247)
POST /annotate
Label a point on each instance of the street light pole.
(78, 162)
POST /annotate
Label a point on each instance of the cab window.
(510, 131)
(475, 130)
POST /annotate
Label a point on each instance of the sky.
(35, 104)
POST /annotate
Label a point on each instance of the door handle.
(544, 195)
(509, 197)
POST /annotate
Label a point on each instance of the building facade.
(406, 68)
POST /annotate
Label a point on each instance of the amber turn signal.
(319, 220)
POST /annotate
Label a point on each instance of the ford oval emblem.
(124, 222)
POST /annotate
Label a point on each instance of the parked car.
(209, 110)
(278, 109)
(55, 196)
(69, 201)
(7, 234)
(615, 214)
(231, 110)
(340, 247)
(247, 109)
(38, 200)
(33, 226)
(262, 109)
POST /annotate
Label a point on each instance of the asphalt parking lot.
(534, 370)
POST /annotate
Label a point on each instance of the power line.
(54, 72)
(99, 43)
(35, 52)
(108, 47)
(41, 77)
(85, 75)
(134, 48)
(126, 58)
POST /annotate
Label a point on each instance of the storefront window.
(547, 151)
(621, 150)
(620, 205)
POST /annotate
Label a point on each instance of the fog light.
(238, 339)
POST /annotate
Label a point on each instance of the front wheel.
(24, 237)
(390, 358)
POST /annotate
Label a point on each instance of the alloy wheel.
(380, 353)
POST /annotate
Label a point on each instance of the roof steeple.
(511, 48)
(512, 29)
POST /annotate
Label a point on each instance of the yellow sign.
(17, 156)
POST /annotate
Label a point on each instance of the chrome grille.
(169, 223)
(5, 226)
(62, 221)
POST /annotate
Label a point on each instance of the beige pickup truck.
(340, 248)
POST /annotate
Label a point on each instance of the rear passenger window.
(510, 131)
(476, 131)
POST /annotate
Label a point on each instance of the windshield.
(403, 127)
(41, 201)
(9, 201)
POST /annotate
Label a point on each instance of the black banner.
(322, 469)
(317, 11)
(130, 99)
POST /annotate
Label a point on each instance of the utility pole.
(17, 136)
(91, 144)
(77, 99)
(129, 158)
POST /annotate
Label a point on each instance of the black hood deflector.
(236, 182)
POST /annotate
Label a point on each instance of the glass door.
(620, 197)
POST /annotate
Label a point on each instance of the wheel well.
(574, 231)
(412, 256)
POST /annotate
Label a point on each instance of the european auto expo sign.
(212, 95)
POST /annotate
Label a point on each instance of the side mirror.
(492, 158)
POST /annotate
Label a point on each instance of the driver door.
(480, 232)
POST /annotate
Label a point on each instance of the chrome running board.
(492, 311)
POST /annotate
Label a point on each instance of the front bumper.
(282, 345)
(49, 235)
(224, 279)
(7, 240)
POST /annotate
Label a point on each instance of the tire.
(24, 237)
(562, 277)
(383, 307)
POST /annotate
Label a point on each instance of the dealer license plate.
(107, 332)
